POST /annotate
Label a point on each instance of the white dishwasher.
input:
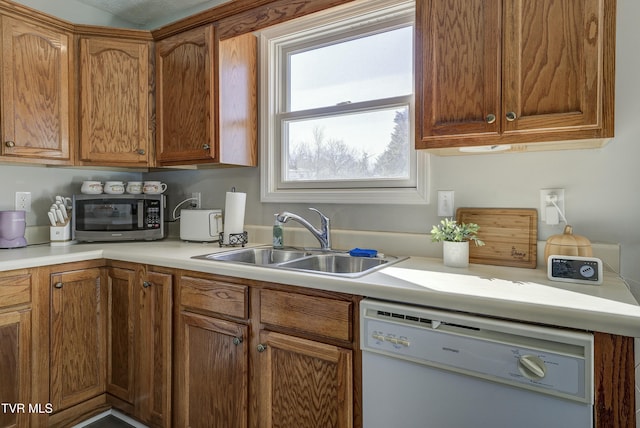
(424, 368)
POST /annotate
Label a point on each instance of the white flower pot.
(455, 254)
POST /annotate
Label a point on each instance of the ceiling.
(143, 12)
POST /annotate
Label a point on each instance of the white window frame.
(408, 192)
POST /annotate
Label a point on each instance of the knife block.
(60, 235)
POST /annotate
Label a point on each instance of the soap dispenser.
(278, 233)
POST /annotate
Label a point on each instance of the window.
(337, 107)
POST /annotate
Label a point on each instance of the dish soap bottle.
(278, 234)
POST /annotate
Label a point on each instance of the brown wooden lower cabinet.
(294, 369)
(78, 324)
(303, 383)
(154, 363)
(140, 341)
(15, 347)
(121, 311)
(175, 348)
(212, 369)
(15, 367)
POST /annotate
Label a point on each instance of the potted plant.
(455, 237)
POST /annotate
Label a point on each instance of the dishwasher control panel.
(549, 361)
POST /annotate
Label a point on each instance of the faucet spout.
(323, 235)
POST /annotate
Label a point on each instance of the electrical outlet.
(546, 196)
(23, 201)
(196, 201)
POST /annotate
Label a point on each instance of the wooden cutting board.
(510, 236)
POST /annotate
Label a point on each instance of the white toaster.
(200, 225)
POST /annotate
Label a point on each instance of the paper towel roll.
(234, 214)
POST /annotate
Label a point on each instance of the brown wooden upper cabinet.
(206, 99)
(36, 93)
(513, 71)
(115, 125)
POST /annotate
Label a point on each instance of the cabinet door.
(237, 100)
(154, 353)
(114, 102)
(457, 68)
(185, 96)
(15, 367)
(212, 373)
(303, 383)
(78, 305)
(36, 94)
(552, 65)
(121, 312)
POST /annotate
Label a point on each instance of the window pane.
(357, 146)
(372, 67)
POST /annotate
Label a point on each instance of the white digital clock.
(586, 270)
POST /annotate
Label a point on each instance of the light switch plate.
(445, 203)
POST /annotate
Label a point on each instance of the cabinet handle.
(237, 340)
(141, 151)
(10, 144)
(58, 285)
(491, 118)
(146, 284)
(511, 116)
(261, 347)
(206, 147)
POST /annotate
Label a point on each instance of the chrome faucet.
(323, 235)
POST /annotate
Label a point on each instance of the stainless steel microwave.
(108, 217)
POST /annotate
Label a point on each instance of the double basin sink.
(315, 261)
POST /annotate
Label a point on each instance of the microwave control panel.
(152, 217)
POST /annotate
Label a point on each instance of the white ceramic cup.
(134, 187)
(91, 187)
(114, 187)
(154, 187)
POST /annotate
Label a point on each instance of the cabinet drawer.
(15, 290)
(214, 296)
(315, 315)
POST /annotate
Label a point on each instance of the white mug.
(134, 187)
(154, 187)
(114, 187)
(91, 187)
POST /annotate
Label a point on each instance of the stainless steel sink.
(256, 256)
(340, 264)
(314, 261)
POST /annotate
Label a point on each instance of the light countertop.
(512, 293)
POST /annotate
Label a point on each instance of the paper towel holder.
(235, 239)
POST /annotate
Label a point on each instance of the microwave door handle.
(140, 214)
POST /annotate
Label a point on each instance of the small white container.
(91, 187)
(60, 234)
(134, 187)
(114, 187)
(154, 187)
